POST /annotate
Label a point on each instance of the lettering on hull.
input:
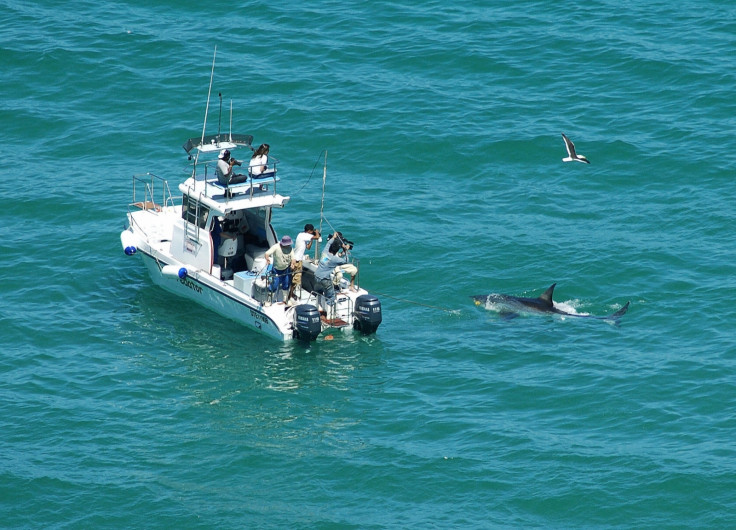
(193, 286)
(259, 321)
(258, 316)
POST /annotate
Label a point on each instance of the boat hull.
(208, 295)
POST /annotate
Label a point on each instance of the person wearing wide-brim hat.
(283, 260)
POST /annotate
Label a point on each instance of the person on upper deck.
(259, 162)
(224, 171)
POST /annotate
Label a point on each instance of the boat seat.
(269, 173)
(254, 257)
(250, 185)
(268, 177)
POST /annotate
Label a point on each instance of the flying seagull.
(572, 155)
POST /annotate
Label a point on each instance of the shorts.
(296, 274)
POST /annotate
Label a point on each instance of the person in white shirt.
(224, 171)
(259, 161)
(303, 243)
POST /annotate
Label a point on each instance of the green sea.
(123, 406)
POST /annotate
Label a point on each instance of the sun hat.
(224, 154)
(286, 241)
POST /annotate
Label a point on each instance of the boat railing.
(356, 262)
(251, 186)
(146, 189)
(150, 186)
(340, 313)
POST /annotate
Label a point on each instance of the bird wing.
(569, 146)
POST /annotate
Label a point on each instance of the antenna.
(219, 118)
(206, 110)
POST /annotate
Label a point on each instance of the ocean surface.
(121, 406)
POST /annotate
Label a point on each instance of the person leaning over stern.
(335, 257)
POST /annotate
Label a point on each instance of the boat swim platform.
(333, 322)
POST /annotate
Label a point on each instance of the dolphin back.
(512, 305)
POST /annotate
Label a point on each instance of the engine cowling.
(307, 324)
(368, 315)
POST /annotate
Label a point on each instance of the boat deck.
(249, 187)
(253, 193)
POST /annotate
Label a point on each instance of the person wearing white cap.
(283, 260)
(224, 171)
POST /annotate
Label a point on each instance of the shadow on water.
(183, 336)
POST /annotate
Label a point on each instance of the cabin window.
(194, 212)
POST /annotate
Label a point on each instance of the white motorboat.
(207, 245)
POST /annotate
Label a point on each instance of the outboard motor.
(367, 314)
(307, 325)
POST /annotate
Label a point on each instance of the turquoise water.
(121, 406)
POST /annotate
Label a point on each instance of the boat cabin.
(225, 229)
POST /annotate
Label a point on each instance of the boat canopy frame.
(215, 142)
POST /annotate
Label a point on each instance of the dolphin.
(512, 305)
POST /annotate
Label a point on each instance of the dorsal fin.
(547, 296)
(621, 312)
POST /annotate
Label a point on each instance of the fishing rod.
(334, 231)
(324, 181)
(322, 206)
